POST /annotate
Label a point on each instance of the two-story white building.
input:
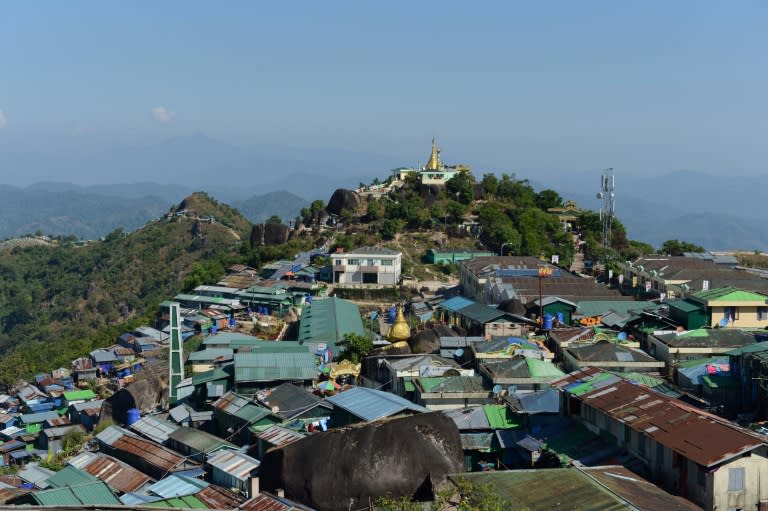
(367, 265)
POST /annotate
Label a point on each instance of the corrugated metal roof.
(35, 418)
(94, 493)
(469, 418)
(235, 463)
(109, 435)
(642, 494)
(275, 366)
(117, 475)
(83, 459)
(152, 453)
(176, 486)
(70, 476)
(268, 502)
(291, 400)
(157, 430)
(199, 441)
(218, 498)
(210, 354)
(327, 320)
(699, 436)
(186, 502)
(35, 474)
(370, 404)
(456, 303)
(96, 404)
(279, 436)
(231, 402)
(63, 430)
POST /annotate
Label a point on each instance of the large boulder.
(343, 200)
(269, 234)
(344, 468)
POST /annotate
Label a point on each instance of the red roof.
(699, 436)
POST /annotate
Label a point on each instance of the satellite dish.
(275, 409)
(599, 195)
(452, 372)
(458, 353)
(497, 389)
(511, 389)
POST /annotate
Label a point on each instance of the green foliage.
(677, 248)
(274, 219)
(465, 496)
(461, 186)
(490, 184)
(355, 347)
(546, 199)
(519, 193)
(390, 228)
(375, 211)
(59, 303)
(498, 228)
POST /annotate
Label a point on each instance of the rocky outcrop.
(343, 200)
(344, 468)
(269, 234)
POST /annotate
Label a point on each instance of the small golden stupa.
(400, 330)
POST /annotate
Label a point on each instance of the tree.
(498, 229)
(678, 248)
(375, 211)
(274, 219)
(490, 184)
(461, 186)
(546, 199)
(464, 495)
(355, 347)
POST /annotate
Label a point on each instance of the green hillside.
(60, 302)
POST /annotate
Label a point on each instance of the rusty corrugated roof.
(699, 436)
(218, 498)
(117, 475)
(268, 502)
(641, 493)
(153, 453)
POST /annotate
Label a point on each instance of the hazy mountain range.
(718, 212)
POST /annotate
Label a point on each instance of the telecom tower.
(175, 360)
(606, 194)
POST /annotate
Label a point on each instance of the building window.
(762, 313)
(387, 262)
(371, 262)
(736, 479)
(339, 262)
(354, 262)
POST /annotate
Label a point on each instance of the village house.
(361, 404)
(674, 347)
(700, 456)
(611, 356)
(366, 265)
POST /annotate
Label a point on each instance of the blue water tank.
(133, 415)
(622, 336)
(391, 313)
(309, 298)
(266, 311)
(548, 321)
(560, 318)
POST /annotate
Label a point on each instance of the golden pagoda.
(434, 158)
(400, 330)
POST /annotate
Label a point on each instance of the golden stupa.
(434, 162)
(400, 330)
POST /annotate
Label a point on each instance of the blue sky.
(644, 87)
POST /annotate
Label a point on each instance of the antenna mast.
(607, 210)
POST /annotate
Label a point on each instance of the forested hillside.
(59, 302)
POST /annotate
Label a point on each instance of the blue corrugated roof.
(456, 303)
(370, 404)
(177, 486)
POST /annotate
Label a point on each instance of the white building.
(367, 265)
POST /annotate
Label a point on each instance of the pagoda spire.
(434, 158)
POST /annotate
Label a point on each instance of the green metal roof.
(729, 294)
(589, 386)
(89, 494)
(685, 305)
(212, 375)
(70, 476)
(500, 417)
(186, 502)
(198, 440)
(227, 338)
(275, 366)
(77, 395)
(210, 354)
(642, 379)
(543, 369)
(326, 320)
(553, 488)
